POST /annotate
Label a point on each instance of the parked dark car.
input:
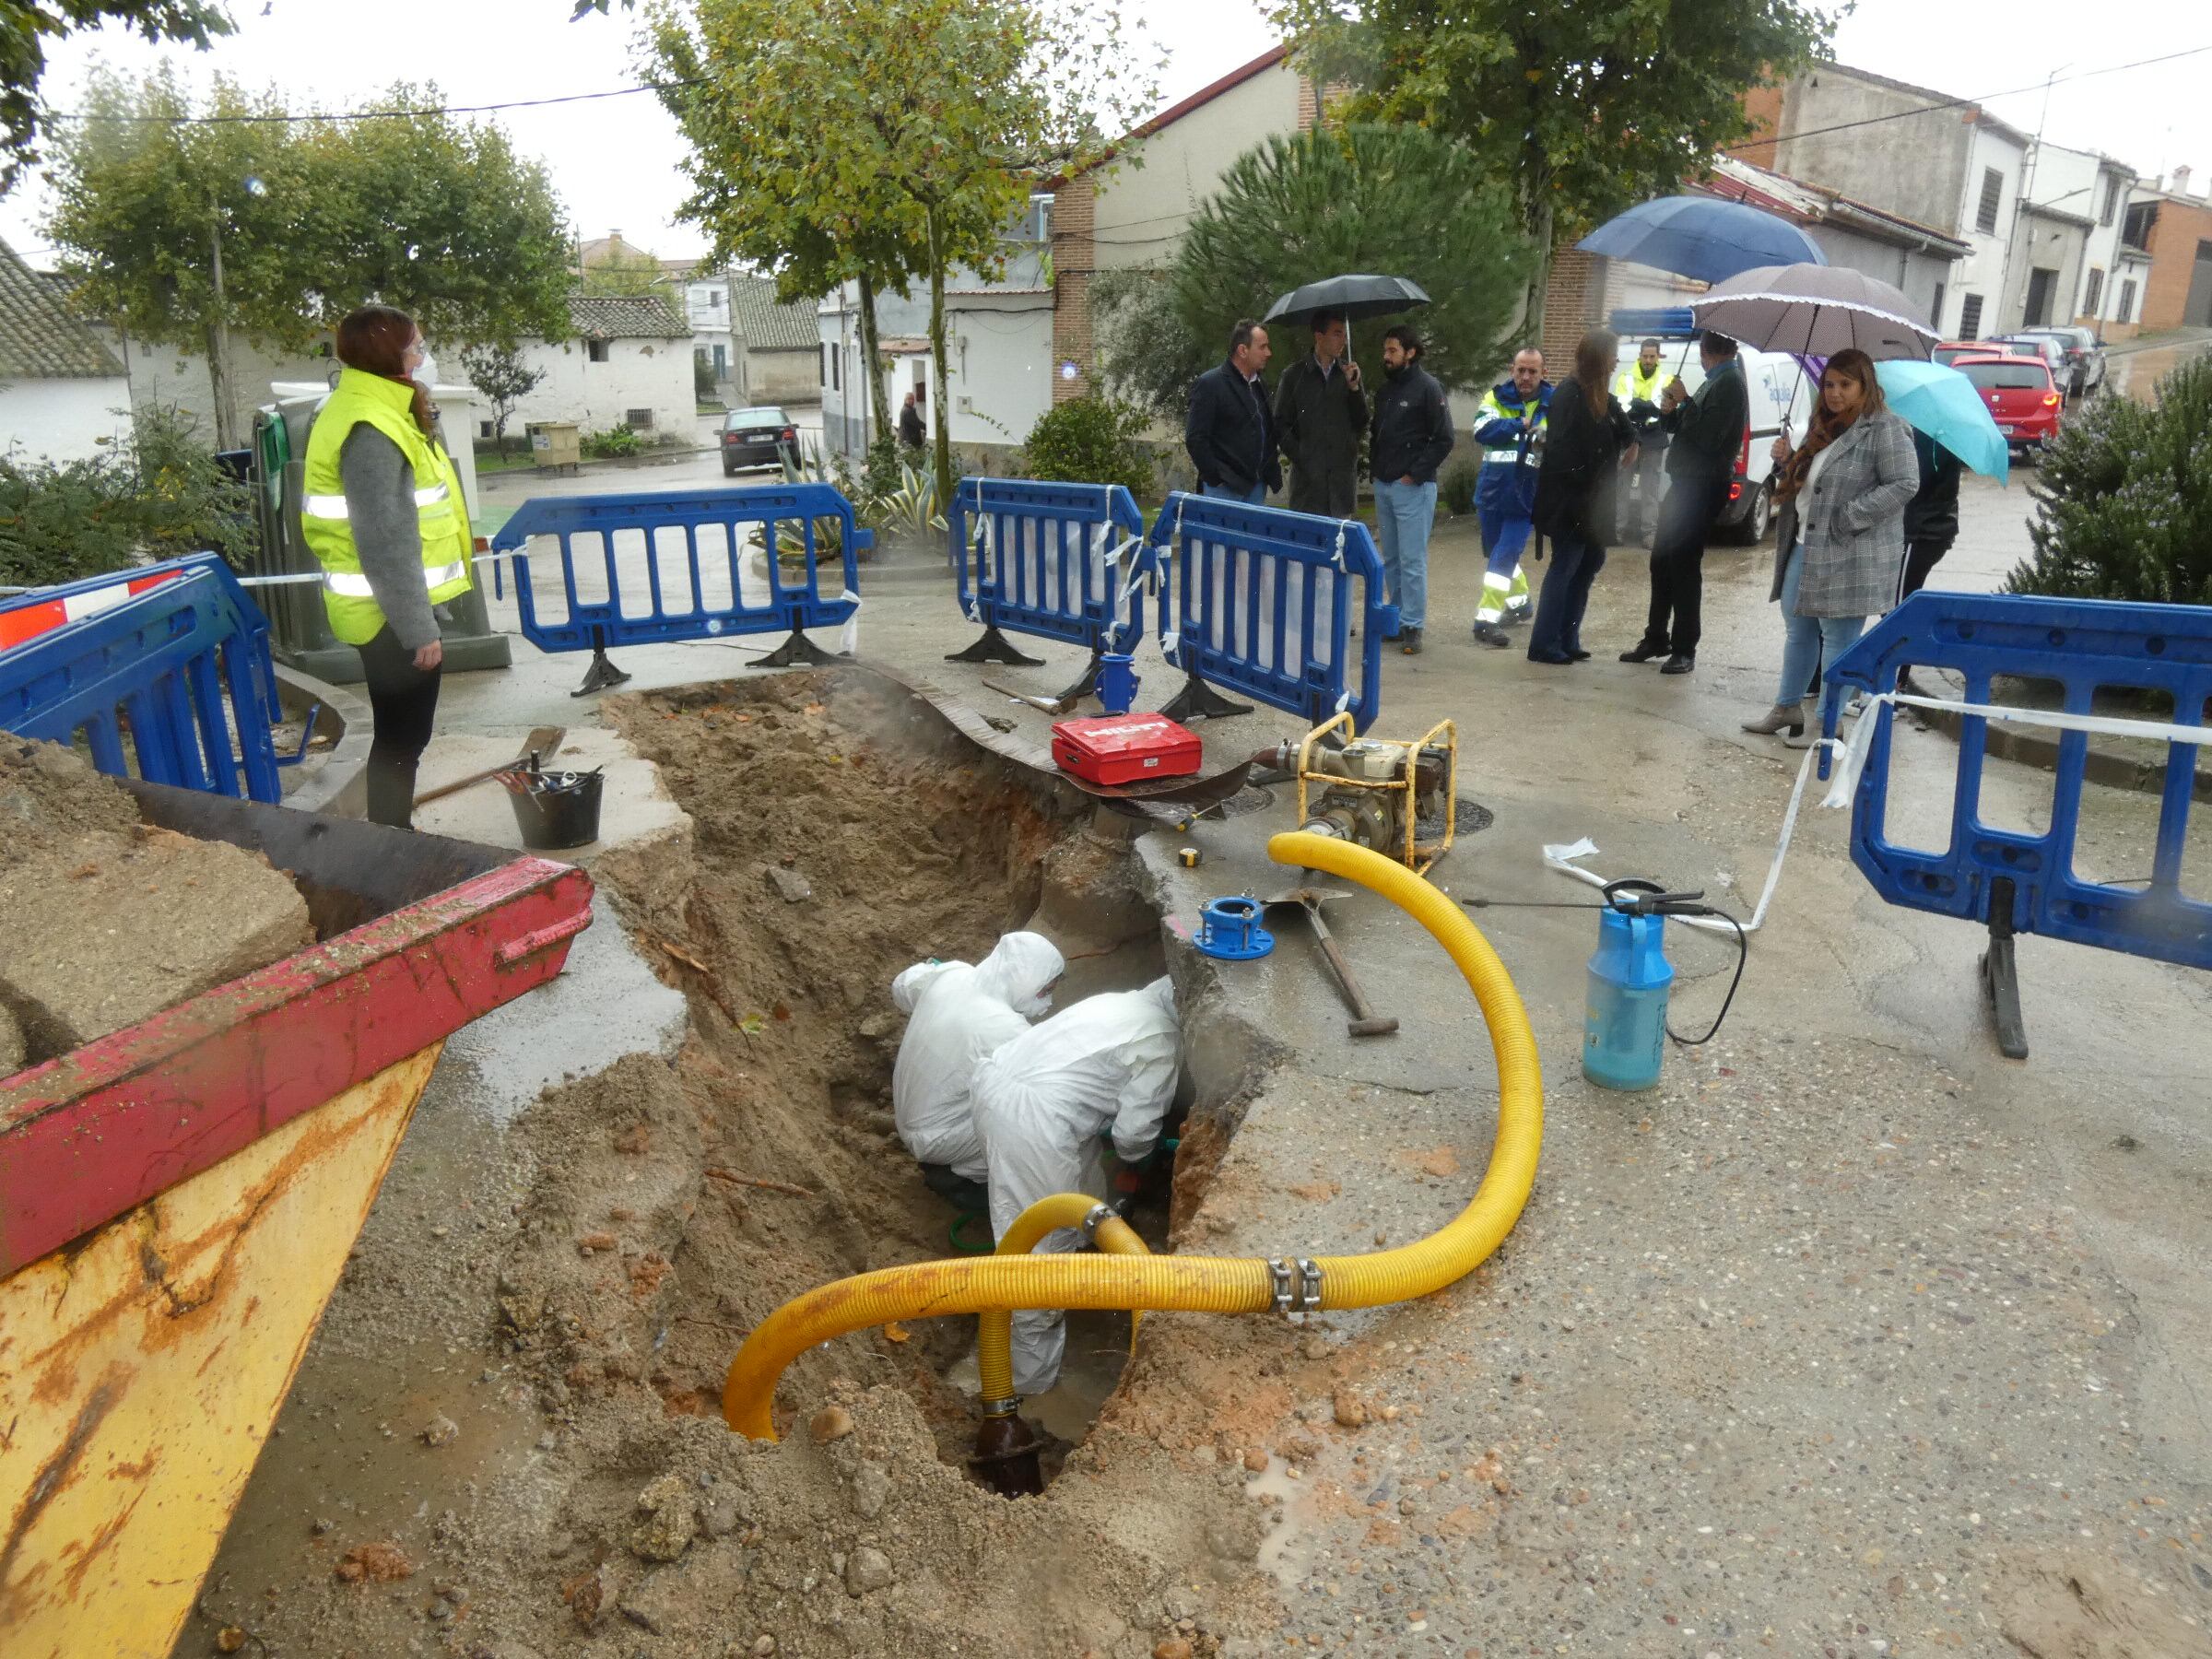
(2023, 398)
(2085, 355)
(756, 438)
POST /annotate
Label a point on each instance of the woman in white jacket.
(1043, 1100)
(956, 1015)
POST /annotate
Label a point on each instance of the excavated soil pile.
(105, 920)
(840, 831)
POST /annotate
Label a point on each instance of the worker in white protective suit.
(1043, 1100)
(956, 1015)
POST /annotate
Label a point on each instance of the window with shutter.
(1970, 317)
(1993, 198)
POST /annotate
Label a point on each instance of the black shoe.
(1577, 656)
(1678, 663)
(1645, 651)
(1410, 642)
(1557, 659)
(1490, 635)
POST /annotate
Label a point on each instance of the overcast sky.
(614, 161)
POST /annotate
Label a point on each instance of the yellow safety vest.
(1630, 385)
(354, 615)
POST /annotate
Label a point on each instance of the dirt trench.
(841, 830)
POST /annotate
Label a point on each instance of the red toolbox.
(1125, 748)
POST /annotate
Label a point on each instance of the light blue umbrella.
(1941, 402)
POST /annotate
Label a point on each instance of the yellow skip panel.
(142, 1367)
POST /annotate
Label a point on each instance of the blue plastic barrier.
(687, 565)
(1060, 562)
(1262, 601)
(2013, 881)
(183, 666)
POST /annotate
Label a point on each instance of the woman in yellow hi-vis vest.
(382, 513)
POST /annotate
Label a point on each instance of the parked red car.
(2022, 397)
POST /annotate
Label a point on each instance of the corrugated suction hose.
(998, 1284)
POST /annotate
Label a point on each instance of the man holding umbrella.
(1707, 430)
(1320, 411)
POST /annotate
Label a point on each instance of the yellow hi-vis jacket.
(354, 615)
(1630, 384)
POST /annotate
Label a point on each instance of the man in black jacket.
(1320, 412)
(1230, 431)
(1706, 431)
(1411, 437)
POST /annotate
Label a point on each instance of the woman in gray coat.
(1840, 539)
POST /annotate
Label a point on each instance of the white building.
(630, 364)
(705, 299)
(62, 394)
(998, 351)
(2094, 188)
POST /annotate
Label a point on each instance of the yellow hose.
(997, 1284)
(993, 1348)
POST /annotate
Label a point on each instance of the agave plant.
(911, 509)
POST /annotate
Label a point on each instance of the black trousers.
(1921, 556)
(1676, 619)
(404, 702)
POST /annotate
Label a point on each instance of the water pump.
(1374, 794)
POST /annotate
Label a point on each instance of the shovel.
(1365, 1021)
(543, 740)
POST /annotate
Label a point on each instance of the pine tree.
(1395, 201)
(2124, 500)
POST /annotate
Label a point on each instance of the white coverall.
(1042, 1101)
(956, 1015)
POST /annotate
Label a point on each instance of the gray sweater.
(387, 532)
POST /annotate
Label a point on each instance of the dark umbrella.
(1352, 297)
(1814, 312)
(1703, 238)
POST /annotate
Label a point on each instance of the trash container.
(555, 444)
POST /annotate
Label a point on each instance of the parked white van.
(1782, 399)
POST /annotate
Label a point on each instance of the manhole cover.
(1250, 798)
(1469, 818)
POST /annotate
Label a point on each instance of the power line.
(1958, 103)
(519, 103)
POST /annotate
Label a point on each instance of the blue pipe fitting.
(1230, 930)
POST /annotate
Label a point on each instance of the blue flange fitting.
(1229, 929)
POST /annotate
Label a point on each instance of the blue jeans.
(1557, 629)
(1256, 496)
(1808, 641)
(1403, 514)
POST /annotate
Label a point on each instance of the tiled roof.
(766, 326)
(625, 317)
(39, 338)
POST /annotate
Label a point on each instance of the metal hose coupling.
(1299, 1295)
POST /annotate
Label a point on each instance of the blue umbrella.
(1703, 238)
(1941, 402)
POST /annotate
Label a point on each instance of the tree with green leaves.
(1401, 201)
(26, 27)
(899, 136)
(184, 230)
(1587, 109)
(2124, 500)
(505, 379)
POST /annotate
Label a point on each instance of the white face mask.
(427, 370)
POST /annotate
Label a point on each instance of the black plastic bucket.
(557, 816)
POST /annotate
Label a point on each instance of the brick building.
(2174, 228)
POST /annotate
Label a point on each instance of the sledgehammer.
(1365, 1021)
